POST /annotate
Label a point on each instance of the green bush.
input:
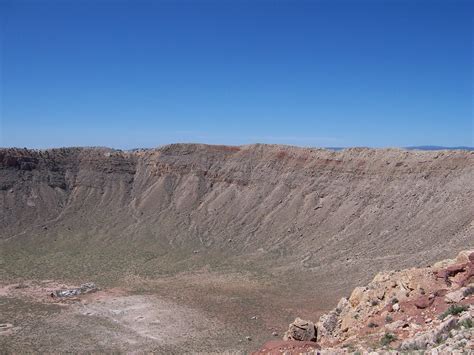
(466, 323)
(387, 339)
(454, 310)
(372, 325)
(350, 347)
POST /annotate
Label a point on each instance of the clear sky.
(129, 74)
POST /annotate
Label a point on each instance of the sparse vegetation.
(372, 325)
(387, 339)
(466, 323)
(350, 347)
(388, 319)
(394, 300)
(469, 291)
(439, 339)
(373, 303)
(453, 310)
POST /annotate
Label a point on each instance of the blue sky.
(131, 74)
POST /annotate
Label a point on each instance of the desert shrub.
(469, 291)
(388, 319)
(387, 339)
(374, 303)
(466, 323)
(394, 300)
(454, 310)
(439, 340)
(350, 347)
(372, 325)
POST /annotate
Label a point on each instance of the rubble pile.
(429, 309)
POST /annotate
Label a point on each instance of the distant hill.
(420, 147)
(437, 147)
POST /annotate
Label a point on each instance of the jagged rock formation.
(301, 330)
(429, 309)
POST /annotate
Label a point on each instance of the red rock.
(451, 271)
(471, 257)
(424, 302)
(440, 293)
(454, 269)
(466, 278)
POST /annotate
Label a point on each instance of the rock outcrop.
(86, 288)
(301, 330)
(434, 337)
(429, 309)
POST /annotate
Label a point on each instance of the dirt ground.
(190, 312)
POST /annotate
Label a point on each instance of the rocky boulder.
(432, 337)
(423, 302)
(356, 296)
(301, 330)
(459, 294)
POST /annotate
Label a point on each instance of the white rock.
(395, 325)
(456, 296)
(302, 330)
